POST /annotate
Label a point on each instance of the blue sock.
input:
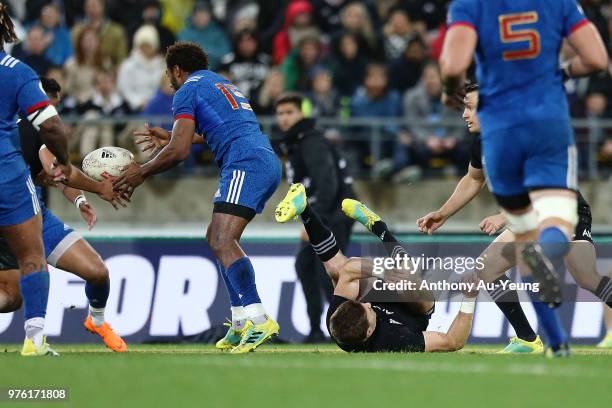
(242, 277)
(97, 294)
(35, 294)
(549, 319)
(554, 243)
(233, 295)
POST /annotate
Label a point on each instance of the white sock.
(239, 317)
(97, 315)
(256, 313)
(34, 330)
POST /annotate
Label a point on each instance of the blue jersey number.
(510, 34)
(231, 93)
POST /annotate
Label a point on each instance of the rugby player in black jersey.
(360, 326)
(581, 260)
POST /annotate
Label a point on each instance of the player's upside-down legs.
(355, 325)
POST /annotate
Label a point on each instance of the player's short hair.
(187, 56)
(293, 98)
(50, 86)
(471, 86)
(7, 29)
(349, 323)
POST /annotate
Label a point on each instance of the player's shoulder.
(16, 69)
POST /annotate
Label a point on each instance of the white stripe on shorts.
(231, 187)
(239, 188)
(32, 188)
(572, 176)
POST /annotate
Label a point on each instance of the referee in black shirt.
(314, 162)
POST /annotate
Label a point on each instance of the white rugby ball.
(106, 161)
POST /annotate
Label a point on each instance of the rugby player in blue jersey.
(527, 139)
(207, 104)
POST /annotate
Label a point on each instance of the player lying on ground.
(581, 260)
(358, 326)
(250, 173)
(64, 247)
(527, 138)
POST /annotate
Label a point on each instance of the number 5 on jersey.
(231, 93)
(510, 34)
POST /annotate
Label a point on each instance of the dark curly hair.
(187, 56)
(470, 86)
(7, 29)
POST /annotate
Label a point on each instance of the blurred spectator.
(246, 66)
(324, 98)
(161, 103)
(300, 61)
(439, 145)
(176, 13)
(60, 47)
(113, 39)
(105, 102)
(202, 30)
(32, 9)
(298, 25)
(82, 67)
(375, 100)
(241, 17)
(327, 13)
(139, 75)
(151, 15)
(349, 64)
(356, 20)
(32, 50)
(272, 88)
(406, 70)
(398, 31)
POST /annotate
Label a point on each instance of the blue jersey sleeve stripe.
(578, 25)
(462, 23)
(184, 116)
(37, 106)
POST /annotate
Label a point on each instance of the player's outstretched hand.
(152, 138)
(492, 224)
(130, 179)
(89, 214)
(453, 101)
(431, 222)
(108, 193)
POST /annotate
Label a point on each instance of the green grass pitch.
(309, 376)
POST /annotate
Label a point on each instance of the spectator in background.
(297, 66)
(298, 25)
(246, 66)
(406, 70)
(139, 75)
(176, 13)
(151, 15)
(375, 99)
(82, 67)
(439, 145)
(112, 37)
(32, 50)
(202, 30)
(106, 101)
(356, 20)
(323, 98)
(327, 13)
(397, 32)
(272, 88)
(349, 64)
(60, 47)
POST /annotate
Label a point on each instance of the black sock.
(391, 244)
(604, 290)
(508, 302)
(321, 238)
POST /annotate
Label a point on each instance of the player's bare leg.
(223, 236)
(25, 242)
(606, 342)
(10, 298)
(83, 261)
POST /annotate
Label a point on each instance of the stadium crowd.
(352, 59)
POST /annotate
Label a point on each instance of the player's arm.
(493, 223)
(155, 138)
(457, 55)
(468, 187)
(349, 276)
(459, 331)
(78, 199)
(591, 55)
(175, 151)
